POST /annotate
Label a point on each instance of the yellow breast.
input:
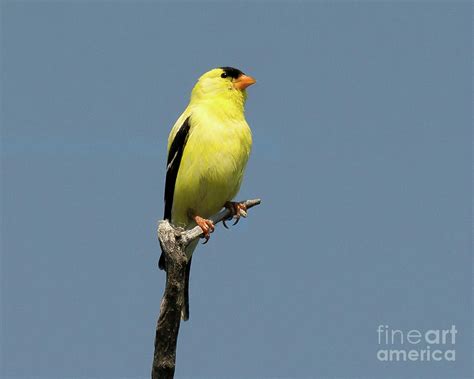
(212, 166)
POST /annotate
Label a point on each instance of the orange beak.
(243, 81)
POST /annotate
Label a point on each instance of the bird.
(208, 150)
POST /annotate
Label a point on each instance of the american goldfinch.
(208, 149)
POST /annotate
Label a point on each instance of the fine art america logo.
(397, 345)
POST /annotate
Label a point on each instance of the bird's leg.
(207, 226)
(238, 210)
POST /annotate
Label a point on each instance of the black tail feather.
(185, 310)
(162, 262)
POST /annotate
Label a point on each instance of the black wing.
(174, 159)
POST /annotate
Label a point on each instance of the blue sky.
(361, 120)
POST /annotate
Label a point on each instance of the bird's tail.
(189, 253)
(162, 261)
(185, 310)
(162, 266)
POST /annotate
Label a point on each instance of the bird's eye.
(223, 75)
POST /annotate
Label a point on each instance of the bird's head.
(223, 83)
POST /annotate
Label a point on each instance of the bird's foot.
(207, 227)
(238, 210)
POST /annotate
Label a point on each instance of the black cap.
(232, 72)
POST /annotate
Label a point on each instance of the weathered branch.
(173, 242)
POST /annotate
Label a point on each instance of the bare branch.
(173, 242)
(224, 214)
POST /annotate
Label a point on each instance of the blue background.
(362, 155)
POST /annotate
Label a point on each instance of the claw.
(238, 210)
(225, 225)
(207, 227)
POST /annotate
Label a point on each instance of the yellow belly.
(211, 169)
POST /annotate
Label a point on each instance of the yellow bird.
(208, 149)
